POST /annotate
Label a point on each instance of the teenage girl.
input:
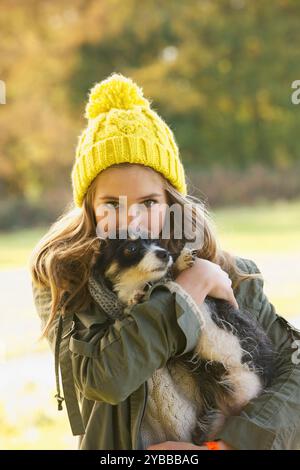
(127, 150)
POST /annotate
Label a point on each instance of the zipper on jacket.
(142, 415)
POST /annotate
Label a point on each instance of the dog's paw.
(185, 260)
(136, 297)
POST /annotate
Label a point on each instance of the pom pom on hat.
(116, 91)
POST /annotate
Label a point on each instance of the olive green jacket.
(106, 364)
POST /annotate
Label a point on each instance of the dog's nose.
(162, 254)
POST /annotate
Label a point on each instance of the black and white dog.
(234, 356)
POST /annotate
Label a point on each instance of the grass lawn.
(15, 247)
(265, 228)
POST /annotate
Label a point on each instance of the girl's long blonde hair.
(63, 257)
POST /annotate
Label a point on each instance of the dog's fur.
(234, 358)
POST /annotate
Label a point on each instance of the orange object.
(212, 445)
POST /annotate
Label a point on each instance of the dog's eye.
(130, 249)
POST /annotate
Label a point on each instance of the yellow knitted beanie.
(123, 128)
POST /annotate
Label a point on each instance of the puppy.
(234, 358)
(130, 266)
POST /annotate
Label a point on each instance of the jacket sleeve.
(272, 420)
(111, 359)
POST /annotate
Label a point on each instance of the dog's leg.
(214, 397)
(207, 426)
(136, 297)
(185, 260)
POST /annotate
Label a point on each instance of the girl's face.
(130, 196)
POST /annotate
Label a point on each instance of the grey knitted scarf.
(105, 297)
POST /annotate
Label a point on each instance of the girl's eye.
(146, 202)
(111, 203)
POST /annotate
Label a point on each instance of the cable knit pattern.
(105, 297)
(122, 127)
(171, 409)
(173, 393)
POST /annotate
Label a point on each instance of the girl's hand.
(174, 445)
(206, 278)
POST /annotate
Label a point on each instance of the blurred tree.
(218, 71)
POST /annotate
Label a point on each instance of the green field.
(264, 228)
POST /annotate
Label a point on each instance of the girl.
(128, 150)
